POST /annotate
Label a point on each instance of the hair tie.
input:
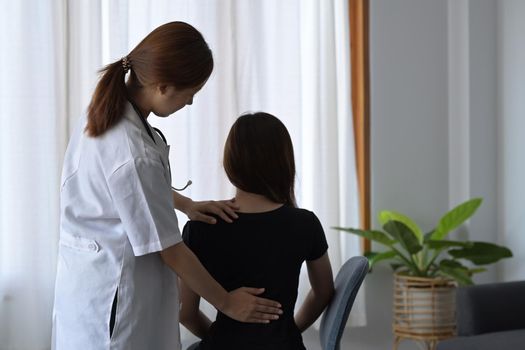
(126, 64)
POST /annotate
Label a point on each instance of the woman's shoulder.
(197, 227)
(196, 233)
(299, 213)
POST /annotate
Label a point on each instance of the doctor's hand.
(244, 305)
(199, 211)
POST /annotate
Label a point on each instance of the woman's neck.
(254, 203)
(138, 97)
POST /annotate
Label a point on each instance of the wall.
(409, 134)
(511, 143)
(472, 62)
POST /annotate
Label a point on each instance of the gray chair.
(333, 321)
(347, 284)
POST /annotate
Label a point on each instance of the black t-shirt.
(261, 250)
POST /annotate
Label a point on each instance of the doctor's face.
(168, 99)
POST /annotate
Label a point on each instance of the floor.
(350, 341)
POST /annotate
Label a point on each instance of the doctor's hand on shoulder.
(225, 209)
(201, 210)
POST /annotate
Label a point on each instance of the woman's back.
(258, 250)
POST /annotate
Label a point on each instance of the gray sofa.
(489, 316)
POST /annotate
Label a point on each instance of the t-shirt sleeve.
(318, 244)
(144, 202)
(191, 237)
(188, 236)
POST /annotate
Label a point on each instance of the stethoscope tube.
(143, 120)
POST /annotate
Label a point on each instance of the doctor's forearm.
(181, 202)
(182, 260)
(198, 324)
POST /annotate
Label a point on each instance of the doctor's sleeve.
(143, 199)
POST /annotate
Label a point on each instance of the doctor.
(120, 249)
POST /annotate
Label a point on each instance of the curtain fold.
(288, 58)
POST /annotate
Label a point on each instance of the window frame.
(359, 55)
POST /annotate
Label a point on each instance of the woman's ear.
(162, 89)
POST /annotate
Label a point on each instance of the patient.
(265, 246)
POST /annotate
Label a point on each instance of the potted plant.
(427, 268)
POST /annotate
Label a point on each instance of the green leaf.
(481, 253)
(428, 236)
(459, 274)
(370, 256)
(455, 270)
(377, 257)
(372, 235)
(456, 217)
(478, 270)
(445, 265)
(453, 264)
(403, 234)
(396, 266)
(434, 244)
(387, 215)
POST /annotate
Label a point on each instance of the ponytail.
(109, 99)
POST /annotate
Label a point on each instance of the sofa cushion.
(489, 308)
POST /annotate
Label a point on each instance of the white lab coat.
(116, 213)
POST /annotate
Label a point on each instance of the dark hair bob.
(259, 157)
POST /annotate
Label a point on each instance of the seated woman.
(265, 246)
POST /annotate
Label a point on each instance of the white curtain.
(33, 136)
(288, 58)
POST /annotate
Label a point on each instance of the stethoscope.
(143, 120)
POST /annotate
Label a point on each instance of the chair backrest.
(347, 285)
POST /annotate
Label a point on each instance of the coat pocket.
(79, 243)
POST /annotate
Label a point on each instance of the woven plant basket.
(424, 308)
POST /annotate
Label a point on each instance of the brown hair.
(172, 54)
(259, 158)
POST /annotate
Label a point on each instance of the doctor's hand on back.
(241, 304)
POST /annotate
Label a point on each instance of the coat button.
(92, 246)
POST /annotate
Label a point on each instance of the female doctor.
(120, 249)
